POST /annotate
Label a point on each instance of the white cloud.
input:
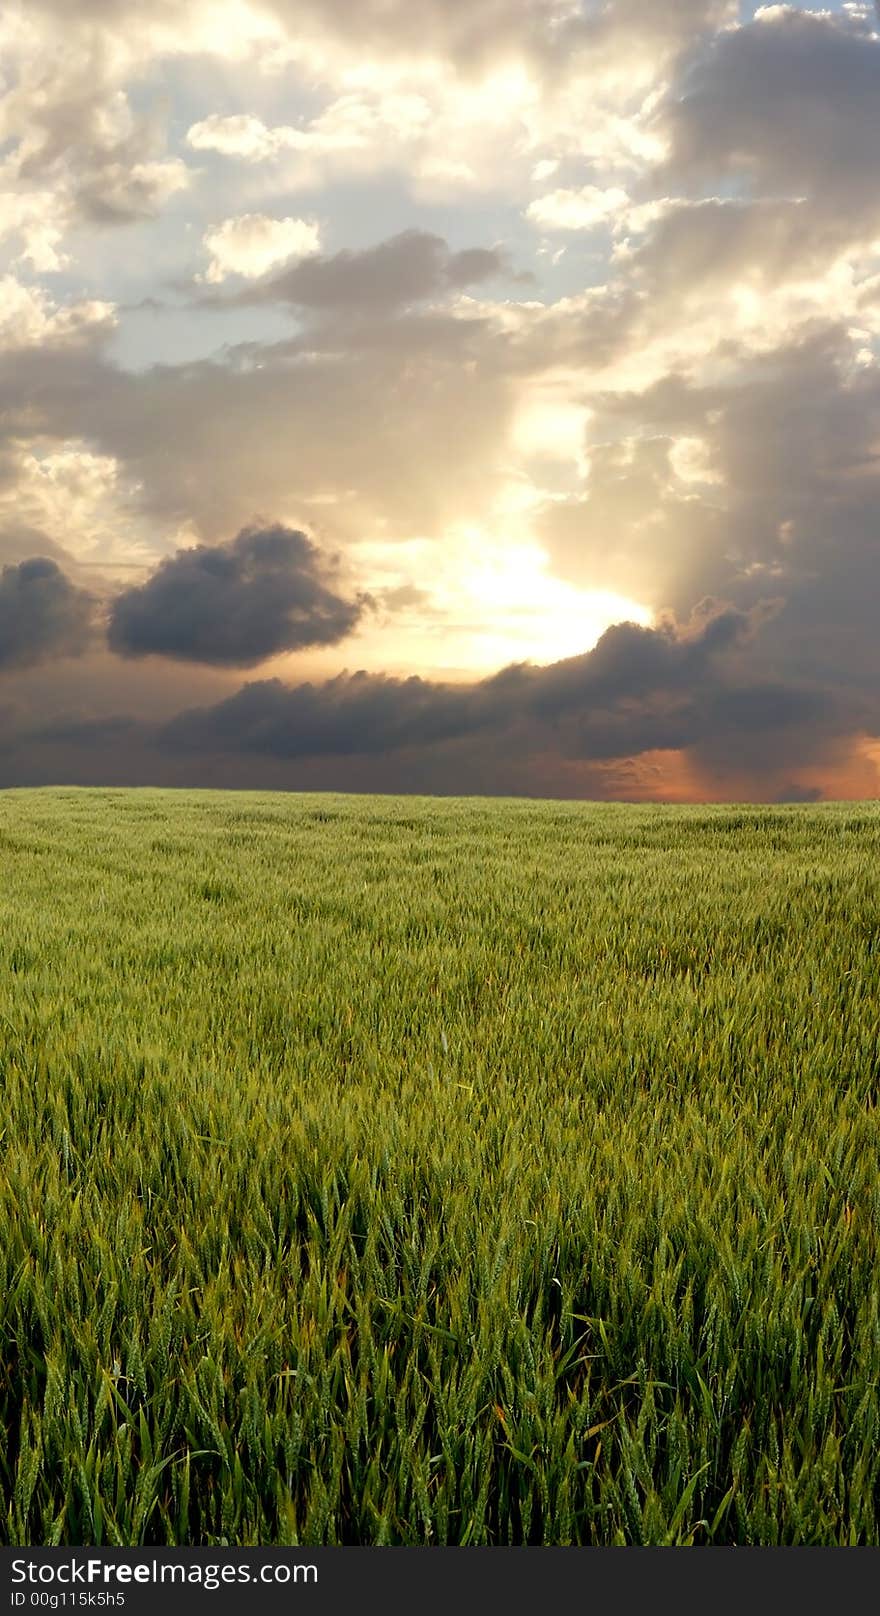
(578, 209)
(78, 150)
(34, 218)
(551, 421)
(80, 500)
(238, 136)
(29, 317)
(252, 244)
(358, 121)
(691, 461)
(498, 131)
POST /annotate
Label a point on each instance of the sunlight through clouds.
(527, 322)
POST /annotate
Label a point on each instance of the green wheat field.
(399, 1171)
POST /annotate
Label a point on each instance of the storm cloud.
(42, 614)
(638, 689)
(234, 605)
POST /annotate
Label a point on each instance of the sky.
(449, 396)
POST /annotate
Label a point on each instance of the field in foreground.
(394, 1171)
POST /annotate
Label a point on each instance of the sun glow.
(468, 606)
(535, 616)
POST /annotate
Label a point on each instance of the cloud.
(33, 218)
(42, 614)
(348, 127)
(638, 688)
(252, 244)
(29, 318)
(452, 96)
(578, 209)
(472, 33)
(787, 106)
(793, 487)
(714, 247)
(462, 30)
(642, 712)
(455, 27)
(793, 791)
(234, 605)
(240, 135)
(120, 191)
(686, 404)
(728, 435)
(408, 268)
(69, 503)
(401, 421)
(353, 713)
(73, 135)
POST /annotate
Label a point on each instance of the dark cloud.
(789, 505)
(114, 730)
(638, 689)
(353, 713)
(19, 541)
(234, 605)
(787, 105)
(791, 438)
(406, 269)
(792, 791)
(42, 614)
(590, 725)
